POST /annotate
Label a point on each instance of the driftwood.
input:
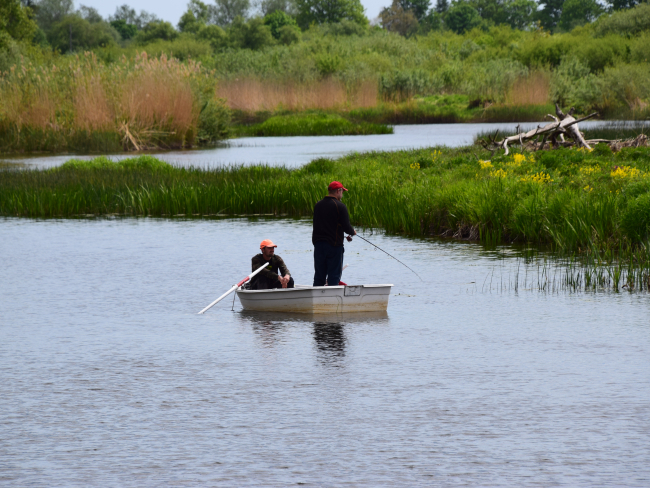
(565, 124)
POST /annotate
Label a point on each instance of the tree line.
(240, 24)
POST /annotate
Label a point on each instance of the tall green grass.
(311, 124)
(571, 200)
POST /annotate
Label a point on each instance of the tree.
(396, 19)
(418, 7)
(197, 15)
(442, 6)
(287, 6)
(156, 30)
(49, 12)
(74, 33)
(329, 11)
(15, 23)
(126, 31)
(277, 20)
(90, 14)
(129, 16)
(225, 11)
(520, 14)
(579, 12)
(462, 17)
(623, 4)
(549, 14)
(250, 35)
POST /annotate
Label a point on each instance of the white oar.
(234, 287)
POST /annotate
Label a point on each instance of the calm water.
(110, 378)
(296, 151)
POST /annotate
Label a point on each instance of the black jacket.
(331, 219)
(270, 274)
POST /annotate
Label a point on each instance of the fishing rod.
(400, 262)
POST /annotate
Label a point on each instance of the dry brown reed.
(153, 98)
(250, 95)
(91, 105)
(533, 89)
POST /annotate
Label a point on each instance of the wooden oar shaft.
(233, 288)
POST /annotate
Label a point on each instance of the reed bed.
(251, 95)
(571, 200)
(133, 104)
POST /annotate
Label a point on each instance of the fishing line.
(400, 262)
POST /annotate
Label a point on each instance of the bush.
(625, 23)
(250, 35)
(277, 20)
(215, 35)
(289, 34)
(156, 30)
(74, 33)
(572, 84)
(183, 48)
(214, 121)
(462, 17)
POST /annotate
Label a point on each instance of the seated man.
(269, 279)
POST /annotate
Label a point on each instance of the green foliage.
(462, 17)
(277, 20)
(15, 23)
(573, 85)
(625, 23)
(156, 30)
(575, 201)
(126, 31)
(250, 35)
(312, 124)
(214, 34)
(579, 12)
(214, 121)
(333, 11)
(289, 34)
(75, 33)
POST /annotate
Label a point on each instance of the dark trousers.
(262, 284)
(328, 263)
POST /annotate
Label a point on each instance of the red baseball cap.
(335, 185)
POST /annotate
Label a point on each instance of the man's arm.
(284, 271)
(345, 221)
(268, 274)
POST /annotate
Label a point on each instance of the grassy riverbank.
(570, 199)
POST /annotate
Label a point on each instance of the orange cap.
(267, 243)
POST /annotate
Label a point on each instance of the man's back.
(331, 219)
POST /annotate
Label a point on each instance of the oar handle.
(233, 288)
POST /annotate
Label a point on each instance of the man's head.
(336, 189)
(268, 248)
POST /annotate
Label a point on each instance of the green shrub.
(625, 23)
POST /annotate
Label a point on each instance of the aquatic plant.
(552, 198)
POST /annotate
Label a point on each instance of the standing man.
(269, 278)
(331, 219)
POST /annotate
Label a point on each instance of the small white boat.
(317, 299)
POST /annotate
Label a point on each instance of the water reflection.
(330, 342)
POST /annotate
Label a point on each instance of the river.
(296, 151)
(110, 378)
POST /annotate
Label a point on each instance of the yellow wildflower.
(499, 173)
(588, 188)
(622, 172)
(484, 164)
(415, 165)
(540, 178)
(589, 170)
(518, 159)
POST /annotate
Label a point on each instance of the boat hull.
(317, 299)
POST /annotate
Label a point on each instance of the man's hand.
(349, 238)
(284, 280)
